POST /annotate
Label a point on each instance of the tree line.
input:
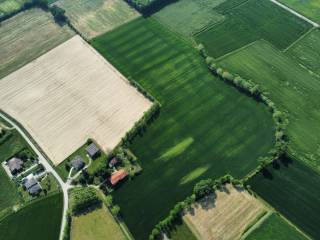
(148, 7)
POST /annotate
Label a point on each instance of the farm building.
(77, 163)
(15, 165)
(113, 162)
(93, 150)
(118, 176)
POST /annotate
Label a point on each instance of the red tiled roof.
(118, 176)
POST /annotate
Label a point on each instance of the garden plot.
(94, 17)
(225, 215)
(69, 95)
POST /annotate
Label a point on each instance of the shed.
(92, 150)
(113, 162)
(30, 182)
(15, 165)
(77, 163)
(118, 176)
(35, 189)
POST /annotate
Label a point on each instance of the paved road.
(50, 169)
(296, 13)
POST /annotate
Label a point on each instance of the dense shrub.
(83, 199)
(148, 7)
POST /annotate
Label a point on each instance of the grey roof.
(15, 164)
(92, 149)
(34, 189)
(113, 162)
(77, 163)
(30, 183)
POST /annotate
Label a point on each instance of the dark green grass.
(252, 21)
(228, 5)
(205, 129)
(307, 51)
(181, 232)
(275, 228)
(38, 221)
(294, 191)
(291, 87)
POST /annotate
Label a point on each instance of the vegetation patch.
(181, 231)
(275, 228)
(39, 220)
(292, 189)
(252, 21)
(178, 78)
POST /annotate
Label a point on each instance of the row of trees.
(254, 90)
(147, 7)
(200, 190)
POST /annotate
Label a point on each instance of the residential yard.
(18, 44)
(275, 228)
(94, 17)
(291, 87)
(69, 95)
(292, 189)
(96, 225)
(251, 21)
(37, 221)
(191, 138)
(224, 215)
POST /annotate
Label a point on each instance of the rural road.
(296, 13)
(49, 168)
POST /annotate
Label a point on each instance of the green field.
(307, 51)
(204, 128)
(188, 16)
(94, 17)
(308, 8)
(18, 44)
(181, 231)
(252, 21)
(37, 221)
(9, 6)
(275, 228)
(294, 191)
(291, 87)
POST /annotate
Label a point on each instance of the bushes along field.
(180, 148)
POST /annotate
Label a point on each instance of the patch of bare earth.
(225, 215)
(71, 94)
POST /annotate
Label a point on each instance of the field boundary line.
(299, 39)
(295, 13)
(192, 228)
(257, 224)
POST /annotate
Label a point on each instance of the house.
(15, 165)
(35, 189)
(113, 162)
(77, 163)
(117, 176)
(32, 185)
(93, 151)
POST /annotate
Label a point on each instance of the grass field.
(96, 225)
(189, 16)
(275, 228)
(18, 44)
(94, 17)
(252, 21)
(224, 215)
(191, 139)
(39, 220)
(307, 51)
(291, 87)
(308, 8)
(293, 191)
(181, 231)
(9, 6)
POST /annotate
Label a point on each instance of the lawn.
(293, 190)
(18, 44)
(252, 21)
(37, 221)
(188, 16)
(96, 225)
(94, 17)
(275, 228)
(307, 51)
(308, 8)
(291, 87)
(204, 128)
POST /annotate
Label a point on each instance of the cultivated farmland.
(39, 220)
(191, 139)
(275, 228)
(94, 17)
(69, 95)
(292, 189)
(96, 225)
(252, 21)
(18, 44)
(224, 215)
(291, 87)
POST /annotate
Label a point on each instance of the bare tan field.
(224, 216)
(94, 17)
(71, 94)
(27, 36)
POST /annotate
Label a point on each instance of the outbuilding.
(93, 151)
(15, 165)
